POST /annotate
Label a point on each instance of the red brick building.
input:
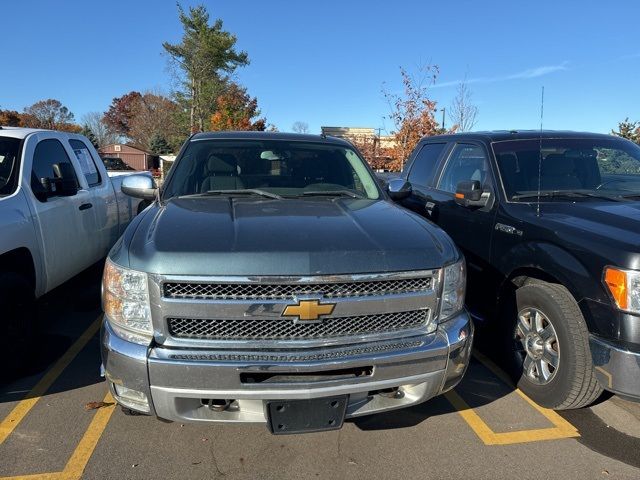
(134, 157)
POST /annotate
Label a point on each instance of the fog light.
(131, 398)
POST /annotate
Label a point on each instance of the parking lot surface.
(57, 421)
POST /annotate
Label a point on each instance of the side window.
(466, 162)
(47, 154)
(87, 162)
(425, 164)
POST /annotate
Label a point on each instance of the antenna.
(540, 154)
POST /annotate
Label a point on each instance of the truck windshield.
(9, 150)
(276, 167)
(569, 168)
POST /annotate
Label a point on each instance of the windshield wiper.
(332, 193)
(244, 191)
(564, 193)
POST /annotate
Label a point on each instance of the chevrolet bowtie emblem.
(307, 310)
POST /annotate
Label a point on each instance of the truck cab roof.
(503, 135)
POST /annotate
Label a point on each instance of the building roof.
(290, 137)
(502, 135)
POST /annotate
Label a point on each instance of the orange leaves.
(236, 110)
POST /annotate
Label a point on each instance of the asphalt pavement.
(57, 421)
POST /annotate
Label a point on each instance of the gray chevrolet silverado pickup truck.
(273, 281)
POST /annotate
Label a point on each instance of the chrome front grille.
(289, 291)
(286, 329)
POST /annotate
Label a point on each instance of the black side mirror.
(65, 179)
(63, 184)
(469, 194)
(399, 188)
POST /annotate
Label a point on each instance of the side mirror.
(139, 186)
(66, 183)
(399, 188)
(469, 194)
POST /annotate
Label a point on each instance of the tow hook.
(218, 405)
(394, 393)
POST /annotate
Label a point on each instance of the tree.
(50, 114)
(151, 116)
(87, 132)
(101, 131)
(300, 127)
(10, 118)
(629, 130)
(205, 58)
(159, 145)
(118, 116)
(462, 112)
(412, 112)
(236, 110)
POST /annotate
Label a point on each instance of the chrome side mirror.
(139, 186)
(399, 188)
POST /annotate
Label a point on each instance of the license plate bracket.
(305, 416)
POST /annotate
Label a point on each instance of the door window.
(87, 162)
(48, 153)
(467, 162)
(425, 163)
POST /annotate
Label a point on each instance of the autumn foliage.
(237, 110)
(412, 112)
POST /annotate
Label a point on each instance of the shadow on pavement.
(63, 315)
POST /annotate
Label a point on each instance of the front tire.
(549, 353)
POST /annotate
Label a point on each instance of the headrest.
(509, 161)
(215, 164)
(556, 164)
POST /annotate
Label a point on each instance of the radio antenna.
(540, 154)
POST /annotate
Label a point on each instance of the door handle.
(85, 206)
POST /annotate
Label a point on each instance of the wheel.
(548, 348)
(17, 319)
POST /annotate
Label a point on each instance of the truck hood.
(252, 237)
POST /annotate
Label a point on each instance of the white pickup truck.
(60, 213)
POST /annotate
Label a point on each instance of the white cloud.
(525, 74)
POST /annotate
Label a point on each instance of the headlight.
(125, 300)
(453, 289)
(624, 286)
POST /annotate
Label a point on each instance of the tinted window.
(87, 162)
(47, 154)
(467, 162)
(425, 163)
(276, 166)
(9, 151)
(599, 166)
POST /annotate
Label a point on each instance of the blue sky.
(325, 62)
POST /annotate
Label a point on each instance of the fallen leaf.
(605, 472)
(96, 405)
(135, 465)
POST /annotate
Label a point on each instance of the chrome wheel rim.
(537, 344)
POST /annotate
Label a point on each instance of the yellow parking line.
(561, 428)
(81, 455)
(78, 461)
(16, 415)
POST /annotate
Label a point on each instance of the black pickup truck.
(550, 225)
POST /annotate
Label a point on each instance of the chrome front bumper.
(178, 383)
(617, 369)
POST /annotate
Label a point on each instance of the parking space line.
(78, 461)
(561, 428)
(74, 468)
(18, 413)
